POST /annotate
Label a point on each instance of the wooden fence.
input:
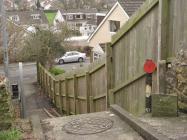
(154, 32)
(78, 91)
(136, 42)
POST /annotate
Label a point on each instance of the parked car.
(72, 56)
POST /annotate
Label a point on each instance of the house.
(9, 5)
(82, 20)
(51, 4)
(97, 52)
(88, 28)
(114, 20)
(28, 18)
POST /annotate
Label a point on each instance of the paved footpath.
(34, 101)
(81, 125)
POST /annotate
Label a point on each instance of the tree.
(44, 45)
(38, 5)
(15, 39)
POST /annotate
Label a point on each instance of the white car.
(73, 56)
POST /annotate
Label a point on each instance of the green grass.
(56, 71)
(10, 135)
(50, 17)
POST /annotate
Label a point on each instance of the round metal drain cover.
(88, 125)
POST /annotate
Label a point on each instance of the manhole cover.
(89, 125)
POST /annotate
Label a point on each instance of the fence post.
(50, 87)
(88, 91)
(163, 32)
(109, 71)
(67, 97)
(54, 92)
(111, 97)
(41, 77)
(38, 72)
(75, 92)
(60, 95)
(91, 104)
(45, 82)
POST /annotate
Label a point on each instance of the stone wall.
(177, 78)
(6, 110)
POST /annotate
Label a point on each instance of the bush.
(56, 71)
(10, 135)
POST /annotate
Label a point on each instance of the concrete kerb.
(37, 128)
(143, 129)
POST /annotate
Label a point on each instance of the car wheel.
(80, 60)
(61, 61)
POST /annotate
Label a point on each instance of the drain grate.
(88, 125)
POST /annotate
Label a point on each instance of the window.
(15, 18)
(78, 24)
(88, 16)
(69, 54)
(114, 25)
(78, 16)
(70, 17)
(75, 53)
(35, 16)
(57, 21)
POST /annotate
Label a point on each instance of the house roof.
(131, 6)
(106, 17)
(98, 49)
(26, 19)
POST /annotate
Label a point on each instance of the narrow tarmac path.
(35, 101)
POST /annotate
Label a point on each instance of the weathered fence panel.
(177, 26)
(76, 92)
(81, 95)
(129, 55)
(98, 89)
(154, 32)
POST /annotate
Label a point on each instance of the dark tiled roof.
(25, 17)
(131, 6)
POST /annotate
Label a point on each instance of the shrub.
(56, 71)
(10, 135)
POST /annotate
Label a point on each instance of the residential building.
(114, 20)
(88, 28)
(51, 4)
(9, 4)
(28, 18)
(83, 20)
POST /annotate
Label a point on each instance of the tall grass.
(12, 134)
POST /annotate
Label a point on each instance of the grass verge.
(12, 134)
